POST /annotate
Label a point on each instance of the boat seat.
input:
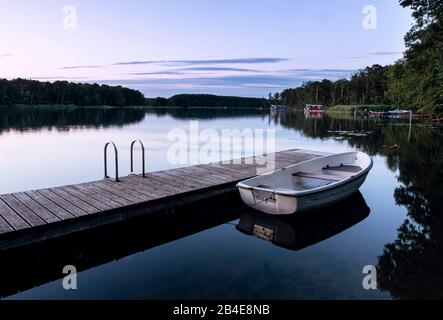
(344, 168)
(327, 177)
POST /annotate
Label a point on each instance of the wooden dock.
(37, 215)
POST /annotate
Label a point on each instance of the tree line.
(413, 82)
(31, 92)
(207, 100)
(368, 86)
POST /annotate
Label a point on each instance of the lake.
(210, 249)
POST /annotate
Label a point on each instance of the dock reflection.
(28, 267)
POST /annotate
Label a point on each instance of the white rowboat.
(308, 185)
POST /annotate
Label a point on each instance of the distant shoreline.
(72, 106)
(339, 109)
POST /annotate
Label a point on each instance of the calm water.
(207, 250)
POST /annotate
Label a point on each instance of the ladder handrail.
(143, 157)
(106, 160)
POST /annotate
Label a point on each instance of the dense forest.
(31, 92)
(207, 100)
(369, 86)
(414, 82)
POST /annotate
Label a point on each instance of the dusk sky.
(244, 48)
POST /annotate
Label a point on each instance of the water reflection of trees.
(207, 113)
(412, 266)
(28, 118)
(389, 138)
(65, 118)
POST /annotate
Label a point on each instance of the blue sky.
(245, 48)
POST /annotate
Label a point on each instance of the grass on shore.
(353, 108)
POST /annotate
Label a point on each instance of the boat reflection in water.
(313, 115)
(299, 231)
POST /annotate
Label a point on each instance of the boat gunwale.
(320, 189)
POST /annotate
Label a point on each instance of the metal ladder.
(106, 160)
(143, 157)
(116, 159)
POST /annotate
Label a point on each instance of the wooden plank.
(295, 158)
(236, 176)
(104, 194)
(246, 170)
(153, 186)
(150, 180)
(113, 189)
(171, 183)
(23, 211)
(88, 198)
(195, 181)
(281, 160)
(49, 205)
(14, 220)
(68, 206)
(195, 184)
(231, 175)
(298, 154)
(39, 210)
(109, 202)
(244, 163)
(4, 226)
(75, 201)
(166, 185)
(249, 161)
(277, 158)
(237, 173)
(147, 189)
(176, 184)
(146, 186)
(200, 172)
(126, 187)
(200, 175)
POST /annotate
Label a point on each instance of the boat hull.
(280, 204)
